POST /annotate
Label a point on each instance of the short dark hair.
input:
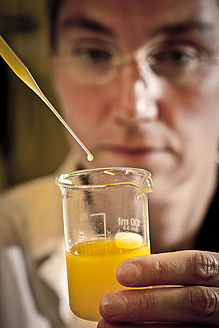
(52, 10)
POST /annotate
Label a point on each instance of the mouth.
(135, 152)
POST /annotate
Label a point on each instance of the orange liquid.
(92, 273)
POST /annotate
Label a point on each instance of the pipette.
(24, 74)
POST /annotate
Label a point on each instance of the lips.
(134, 151)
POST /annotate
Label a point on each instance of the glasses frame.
(143, 59)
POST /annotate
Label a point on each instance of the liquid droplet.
(90, 157)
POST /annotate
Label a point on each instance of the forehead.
(138, 17)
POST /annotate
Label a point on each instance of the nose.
(135, 95)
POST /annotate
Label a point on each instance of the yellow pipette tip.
(90, 157)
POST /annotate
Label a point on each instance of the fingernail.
(128, 273)
(113, 304)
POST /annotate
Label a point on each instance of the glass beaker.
(105, 222)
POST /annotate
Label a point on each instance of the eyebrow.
(183, 27)
(173, 29)
(82, 22)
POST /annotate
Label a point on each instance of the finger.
(194, 304)
(177, 268)
(107, 324)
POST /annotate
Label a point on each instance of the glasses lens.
(89, 62)
(175, 62)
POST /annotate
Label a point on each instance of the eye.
(92, 54)
(175, 55)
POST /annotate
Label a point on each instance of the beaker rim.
(63, 181)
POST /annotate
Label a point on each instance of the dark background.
(32, 141)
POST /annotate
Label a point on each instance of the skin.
(150, 325)
(177, 128)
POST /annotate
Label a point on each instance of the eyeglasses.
(94, 62)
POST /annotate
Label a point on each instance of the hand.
(186, 289)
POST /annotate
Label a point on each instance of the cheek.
(194, 114)
(202, 107)
(82, 106)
